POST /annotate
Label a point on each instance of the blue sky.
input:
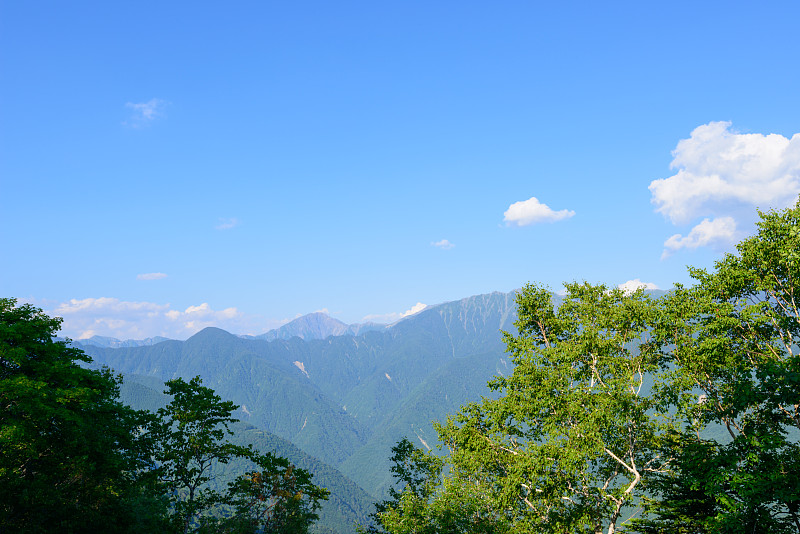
(170, 166)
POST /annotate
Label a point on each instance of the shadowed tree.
(191, 446)
(73, 458)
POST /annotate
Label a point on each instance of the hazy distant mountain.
(114, 343)
(317, 325)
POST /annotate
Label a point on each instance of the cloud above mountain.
(722, 175)
(531, 211)
(632, 285)
(388, 318)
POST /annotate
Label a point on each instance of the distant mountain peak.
(210, 332)
(317, 325)
(114, 343)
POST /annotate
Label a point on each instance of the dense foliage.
(347, 503)
(190, 441)
(678, 414)
(733, 339)
(71, 457)
(74, 459)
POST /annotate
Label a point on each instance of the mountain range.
(317, 325)
(341, 394)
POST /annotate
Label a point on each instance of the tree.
(427, 503)
(277, 497)
(72, 457)
(573, 436)
(693, 399)
(570, 442)
(192, 445)
(733, 342)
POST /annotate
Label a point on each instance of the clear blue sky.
(170, 165)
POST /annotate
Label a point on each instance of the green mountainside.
(347, 504)
(348, 399)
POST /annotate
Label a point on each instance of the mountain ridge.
(317, 325)
(333, 397)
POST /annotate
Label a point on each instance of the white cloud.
(444, 244)
(532, 211)
(718, 167)
(724, 175)
(415, 309)
(202, 309)
(388, 318)
(151, 276)
(138, 320)
(632, 285)
(227, 223)
(710, 232)
(144, 112)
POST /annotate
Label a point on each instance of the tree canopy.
(733, 342)
(74, 459)
(191, 445)
(71, 457)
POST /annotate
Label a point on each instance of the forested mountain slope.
(344, 399)
(347, 503)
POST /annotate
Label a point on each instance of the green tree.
(427, 503)
(275, 497)
(72, 457)
(573, 436)
(733, 342)
(570, 442)
(686, 409)
(192, 444)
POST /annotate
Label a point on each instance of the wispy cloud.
(151, 276)
(144, 113)
(388, 318)
(444, 244)
(106, 316)
(531, 211)
(632, 285)
(227, 223)
(722, 175)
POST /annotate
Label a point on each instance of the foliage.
(347, 503)
(72, 457)
(427, 503)
(733, 340)
(570, 439)
(190, 437)
(192, 443)
(278, 497)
